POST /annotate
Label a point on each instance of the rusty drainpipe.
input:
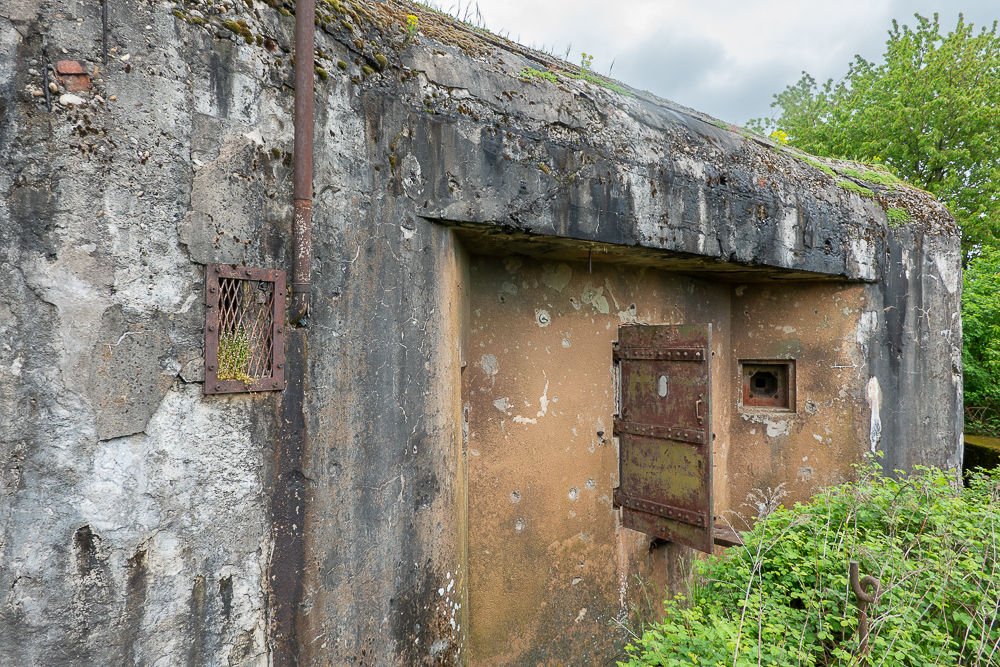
(302, 194)
(289, 490)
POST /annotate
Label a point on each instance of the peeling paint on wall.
(873, 394)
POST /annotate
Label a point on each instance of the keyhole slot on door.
(662, 386)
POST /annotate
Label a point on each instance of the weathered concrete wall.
(136, 512)
(869, 360)
(110, 210)
(913, 324)
(134, 509)
(385, 572)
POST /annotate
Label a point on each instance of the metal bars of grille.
(244, 341)
(245, 329)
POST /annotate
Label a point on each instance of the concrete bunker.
(480, 240)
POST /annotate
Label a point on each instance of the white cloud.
(726, 58)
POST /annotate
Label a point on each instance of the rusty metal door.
(665, 432)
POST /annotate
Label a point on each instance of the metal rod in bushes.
(864, 599)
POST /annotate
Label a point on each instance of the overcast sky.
(724, 57)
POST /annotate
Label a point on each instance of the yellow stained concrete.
(816, 324)
(549, 565)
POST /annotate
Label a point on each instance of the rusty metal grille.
(244, 329)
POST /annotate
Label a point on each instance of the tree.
(981, 339)
(930, 112)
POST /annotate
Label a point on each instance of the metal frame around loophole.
(784, 374)
(233, 306)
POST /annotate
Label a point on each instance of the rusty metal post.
(305, 14)
(864, 599)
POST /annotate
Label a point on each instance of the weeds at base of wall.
(643, 615)
(784, 598)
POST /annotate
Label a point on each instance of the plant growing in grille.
(244, 329)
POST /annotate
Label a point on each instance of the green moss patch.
(897, 216)
(851, 186)
(819, 165)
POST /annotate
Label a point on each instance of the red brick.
(72, 76)
(76, 82)
(69, 67)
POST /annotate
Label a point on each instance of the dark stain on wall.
(195, 657)
(226, 595)
(135, 608)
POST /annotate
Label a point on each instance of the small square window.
(244, 329)
(768, 385)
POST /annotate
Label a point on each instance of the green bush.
(926, 108)
(784, 598)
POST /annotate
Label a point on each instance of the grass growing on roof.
(851, 186)
(882, 177)
(819, 165)
(897, 216)
(532, 73)
(598, 80)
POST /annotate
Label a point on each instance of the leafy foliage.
(981, 340)
(931, 111)
(784, 598)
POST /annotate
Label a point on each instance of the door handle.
(697, 410)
